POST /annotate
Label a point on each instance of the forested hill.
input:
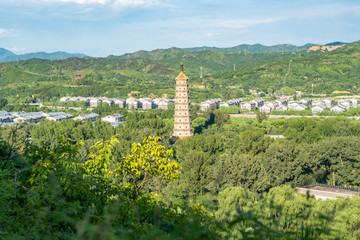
(211, 61)
(328, 71)
(119, 76)
(8, 56)
(152, 74)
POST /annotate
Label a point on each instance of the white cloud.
(242, 23)
(7, 32)
(211, 34)
(15, 49)
(112, 3)
(3, 32)
(80, 1)
(135, 3)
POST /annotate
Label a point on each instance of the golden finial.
(181, 67)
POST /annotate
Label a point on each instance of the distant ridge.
(8, 56)
(254, 48)
(160, 54)
(335, 43)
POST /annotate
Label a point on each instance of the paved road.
(282, 116)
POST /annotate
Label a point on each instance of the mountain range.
(8, 56)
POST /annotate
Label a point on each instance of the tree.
(3, 102)
(279, 214)
(147, 160)
(221, 118)
(261, 116)
(340, 156)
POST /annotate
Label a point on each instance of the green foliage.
(77, 180)
(329, 71)
(280, 214)
(261, 116)
(286, 91)
(147, 160)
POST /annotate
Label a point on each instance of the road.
(283, 116)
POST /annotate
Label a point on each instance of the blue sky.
(103, 27)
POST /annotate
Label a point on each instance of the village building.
(32, 117)
(114, 119)
(132, 103)
(209, 104)
(146, 103)
(305, 101)
(108, 101)
(338, 108)
(120, 102)
(57, 116)
(281, 101)
(346, 103)
(227, 104)
(329, 102)
(299, 107)
(281, 108)
(94, 102)
(318, 102)
(271, 104)
(318, 108)
(354, 102)
(265, 109)
(258, 103)
(248, 106)
(237, 101)
(65, 99)
(88, 117)
(161, 103)
(6, 117)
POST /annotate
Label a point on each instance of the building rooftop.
(90, 115)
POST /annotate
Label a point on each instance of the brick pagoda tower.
(182, 118)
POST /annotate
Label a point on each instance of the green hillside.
(211, 61)
(152, 74)
(52, 79)
(143, 73)
(328, 71)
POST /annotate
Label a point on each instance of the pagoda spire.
(182, 117)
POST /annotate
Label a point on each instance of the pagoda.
(182, 118)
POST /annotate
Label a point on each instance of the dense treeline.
(78, 180)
